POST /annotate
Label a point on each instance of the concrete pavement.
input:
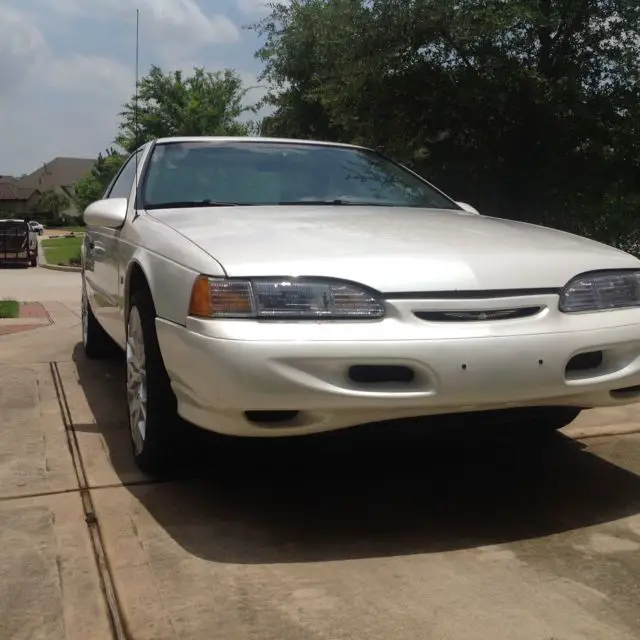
(38, 284)
(352, 537)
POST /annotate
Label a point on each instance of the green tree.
(205, 103)
(51, 204)
(530, 109)
(93, 185)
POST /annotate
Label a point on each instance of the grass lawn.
(9, 309)
(63, 251)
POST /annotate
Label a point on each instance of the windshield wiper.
(340, 202)
(337, 202)
(185, 204)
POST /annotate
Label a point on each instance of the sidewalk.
(49, 585)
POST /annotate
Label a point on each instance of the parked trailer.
(18, 243)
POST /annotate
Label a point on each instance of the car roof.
(249, 139)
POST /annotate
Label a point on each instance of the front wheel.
(152, 405)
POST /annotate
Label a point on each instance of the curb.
(59, 267)
(52, 236)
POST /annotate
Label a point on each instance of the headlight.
(283, 298)
(600, 291)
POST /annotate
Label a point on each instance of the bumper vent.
(381, 374)
(587, 361)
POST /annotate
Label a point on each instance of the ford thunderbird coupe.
(273, 288)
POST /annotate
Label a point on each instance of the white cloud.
(254, 7)
(51, 105)
(256, 90)
(57, 100)
(94, 75)
(21, 48)
(167, 21)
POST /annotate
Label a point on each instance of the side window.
(121, 188)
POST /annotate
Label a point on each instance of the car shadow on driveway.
(374, 491)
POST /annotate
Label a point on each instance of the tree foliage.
(92, 186)
(205, 103)
(530, 109)
(50, 204)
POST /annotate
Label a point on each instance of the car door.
(102, 256)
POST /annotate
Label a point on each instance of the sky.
(67, 66)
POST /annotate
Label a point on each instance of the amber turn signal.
(200, 304)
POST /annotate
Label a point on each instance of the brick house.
(15, 200)
(59, 175)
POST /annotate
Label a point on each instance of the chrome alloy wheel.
(136, 380)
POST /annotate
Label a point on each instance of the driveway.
(38, 284)
(358, 536)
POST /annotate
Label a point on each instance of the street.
(400, 533)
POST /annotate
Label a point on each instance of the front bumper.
(217, 378)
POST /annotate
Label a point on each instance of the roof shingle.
(60, 172)
(10, 191)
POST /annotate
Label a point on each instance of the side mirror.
(468, 208)
(109, 213)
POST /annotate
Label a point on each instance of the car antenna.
(135, 113)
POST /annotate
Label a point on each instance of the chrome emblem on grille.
(483, 315)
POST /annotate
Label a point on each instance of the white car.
(36, 227)
(268, 288)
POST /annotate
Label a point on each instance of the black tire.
(156, 454)
(96, 341)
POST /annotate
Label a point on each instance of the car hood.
(391, 249)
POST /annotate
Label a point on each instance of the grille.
(478, 315)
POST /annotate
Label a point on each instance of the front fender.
(159, 253)
(169, 283)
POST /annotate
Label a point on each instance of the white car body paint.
(421, 260)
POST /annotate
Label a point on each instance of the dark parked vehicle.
(18, 243)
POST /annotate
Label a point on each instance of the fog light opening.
(270, 417)
(380, 374)
(585, 361)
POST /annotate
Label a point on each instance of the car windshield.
(218, 173)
